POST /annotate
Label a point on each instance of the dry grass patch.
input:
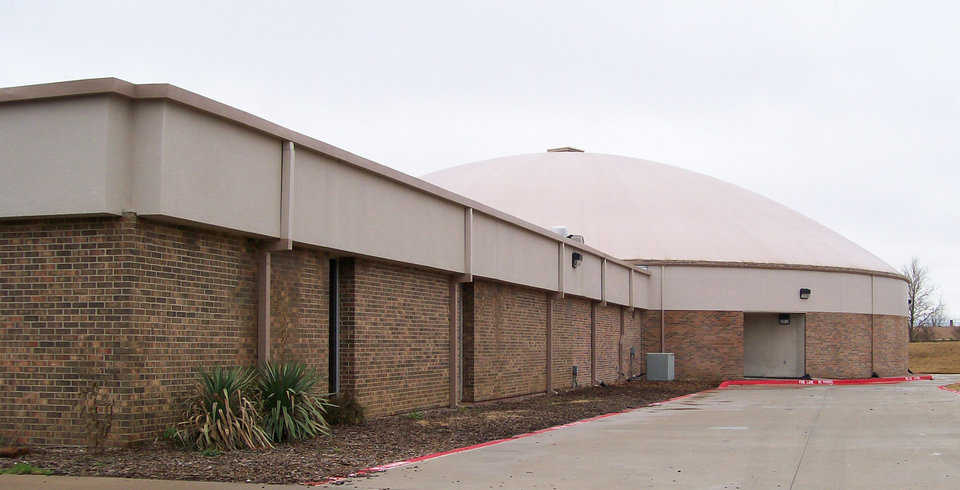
(935, 357)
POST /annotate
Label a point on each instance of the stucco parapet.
(164, 91)
(764, 265)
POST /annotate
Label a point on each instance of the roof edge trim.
(766, 265)
(165, 91)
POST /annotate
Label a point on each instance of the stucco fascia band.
(99, 86)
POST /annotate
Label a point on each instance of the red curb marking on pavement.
(951, 390)
(397, 464)
(864, 381)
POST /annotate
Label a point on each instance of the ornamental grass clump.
(225, 414)
(291, 411)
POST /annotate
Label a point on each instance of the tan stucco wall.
(157, 157)
(773, 290)
(343, 208)
(63, 156)
(585, 279)
(890, 296)
(618, 284)
(217, 172)
(501, 250)
(641, 292)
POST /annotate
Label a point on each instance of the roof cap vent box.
(576, 238)
(564, 149)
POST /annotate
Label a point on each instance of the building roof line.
(765, 265)
(165, 91)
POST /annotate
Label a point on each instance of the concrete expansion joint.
(806, 442)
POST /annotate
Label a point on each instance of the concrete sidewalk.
(872, 436)
(24, 482)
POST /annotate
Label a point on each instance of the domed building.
(148, 232)
(740, 284)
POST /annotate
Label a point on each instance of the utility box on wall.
(660, 366)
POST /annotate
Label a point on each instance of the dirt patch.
(935, 357)
(351, 448)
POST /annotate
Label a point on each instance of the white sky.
(845, 111)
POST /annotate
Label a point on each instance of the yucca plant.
(291, 410)
(225, 414)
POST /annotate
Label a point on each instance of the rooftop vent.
(565, 149)
(562, 230)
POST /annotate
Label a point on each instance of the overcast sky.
(845, 111)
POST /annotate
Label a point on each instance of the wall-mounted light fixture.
(577, 259)
(784, 319)
(804, 293)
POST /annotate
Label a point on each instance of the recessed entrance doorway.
(773, 345)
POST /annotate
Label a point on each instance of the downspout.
(333, 329)
(663, 336)
(620, 347)
(263, 307)
(284, 243)
(593, 343)
(873, 335)
(453, 308)
(603, 281)
(549, 297)
(561, 252)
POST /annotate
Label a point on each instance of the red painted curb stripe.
(397, 464)
(951, 390)
(864, 381)
(381, 468)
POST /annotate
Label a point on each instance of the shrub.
(291, 410)
(170, 434)
(24, 469)
(210, 452)
(345, 410)
(417, 415)
(224, 415)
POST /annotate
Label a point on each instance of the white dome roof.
(637, 209)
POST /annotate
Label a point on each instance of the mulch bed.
(351, 448)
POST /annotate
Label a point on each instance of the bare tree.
(923, 310)
(938, 315)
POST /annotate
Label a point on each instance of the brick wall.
(65, 324)
(838, 345)
(299, 313)
(632, 337)
(394, 336)
(709, 344)
(194, 308)
(571, 341)
(126, 311)
(650, 323)
(706, 344)
(507, 339)
(608, 343)
(891, 335)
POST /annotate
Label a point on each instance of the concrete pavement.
(24, 482)
(871, 436)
